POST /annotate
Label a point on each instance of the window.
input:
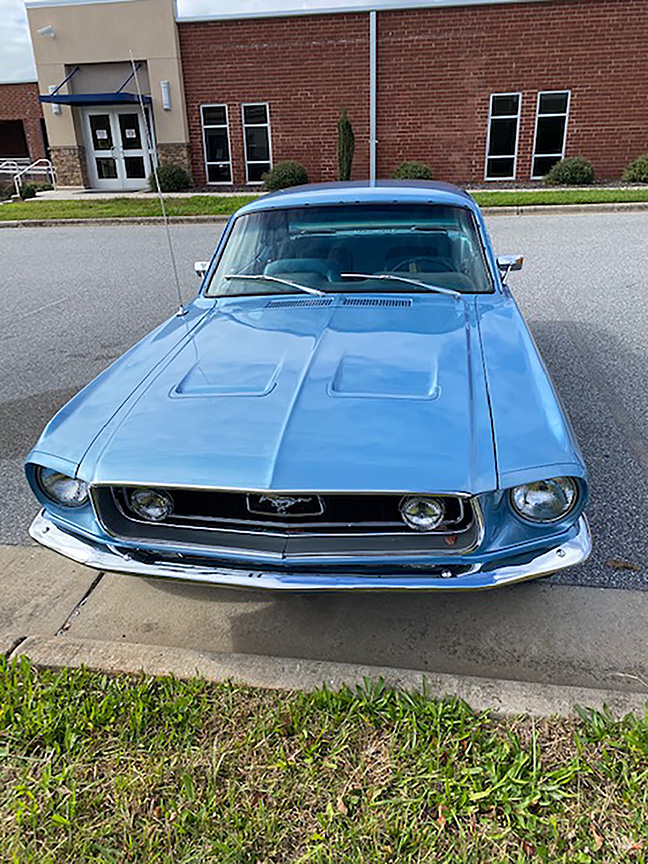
(335, 248)
(550, 131)
(13, 142)
(503, 126)
(258, 149)
(216, 143)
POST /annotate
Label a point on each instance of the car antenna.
(182, 310)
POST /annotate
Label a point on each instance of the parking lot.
(75, 298)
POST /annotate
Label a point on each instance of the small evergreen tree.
(346, 146)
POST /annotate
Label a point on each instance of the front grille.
(285, 523)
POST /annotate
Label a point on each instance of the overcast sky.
(16, 58)
(17, 61)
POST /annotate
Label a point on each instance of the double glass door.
(117, 149)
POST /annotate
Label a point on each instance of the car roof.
(365, 192)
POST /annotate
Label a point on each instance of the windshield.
(352, 247)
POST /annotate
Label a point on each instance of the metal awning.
(116, 98)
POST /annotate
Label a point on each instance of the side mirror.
(201, 267)
(506, 263)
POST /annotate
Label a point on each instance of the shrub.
(172, 178)
(28, 190)
(42, 187)
(637, 171)
(345, 146)
(285, 174)
(7, 189)
(573, 171)
(413, 171)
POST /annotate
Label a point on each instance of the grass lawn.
(118, 769)
(209, 205)
(540, 197)
(198, 205)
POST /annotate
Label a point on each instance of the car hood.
(344, 393)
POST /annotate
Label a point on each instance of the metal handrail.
(9, 166)
(40, 166)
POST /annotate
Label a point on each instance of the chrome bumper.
(108, 558)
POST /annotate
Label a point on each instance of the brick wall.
(20, 102)
(436, 70)
(306, 67)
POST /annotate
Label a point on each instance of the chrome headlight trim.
(569, 485)
(49, 479)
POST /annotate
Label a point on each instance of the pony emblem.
(283, 505)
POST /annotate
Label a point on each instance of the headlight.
(422, 514)
(545, 500)
(154, 505)
(61, 489)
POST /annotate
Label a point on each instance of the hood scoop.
(228, 379)
(375, 378)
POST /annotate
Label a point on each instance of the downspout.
(372, 95)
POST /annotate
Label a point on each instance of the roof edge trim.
(38, 4)
(361, 8)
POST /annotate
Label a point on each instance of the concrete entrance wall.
(97, 33)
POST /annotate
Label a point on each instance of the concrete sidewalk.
(80, 193)
(537, 648)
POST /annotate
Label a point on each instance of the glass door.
(118, 155)
(135, 156)
(102, 153)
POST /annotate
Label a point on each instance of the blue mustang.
(352, 401)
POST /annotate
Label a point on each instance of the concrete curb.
(9, 642)
(483, 694)
(621, 207)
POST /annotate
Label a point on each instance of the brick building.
(23, 136)
(489, 91)
(528, 82)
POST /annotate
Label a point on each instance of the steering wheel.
(413, 265)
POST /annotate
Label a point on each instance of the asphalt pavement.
(75, 298)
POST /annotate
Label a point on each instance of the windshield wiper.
(260, 276)
(436, 288)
